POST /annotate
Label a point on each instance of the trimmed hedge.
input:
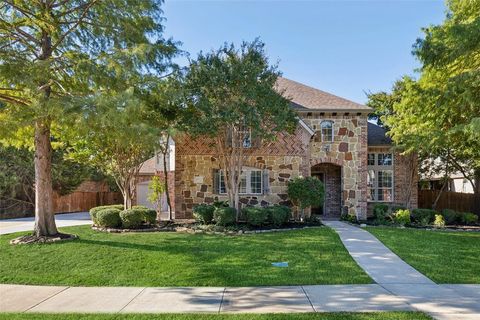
(109, 218)
(204, 213)
(278, 215)
(132, 218)
(224, 216)
(424, 217)
(150, 216)
(256, 216)
(93, 212)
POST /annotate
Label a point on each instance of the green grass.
(303, 316)
(443, 256)
(315, 256)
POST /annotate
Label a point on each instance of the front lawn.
(304, 316)
(315, 256)
(443, 256)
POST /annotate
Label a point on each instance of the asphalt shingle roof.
(377, 136)
(305, 98)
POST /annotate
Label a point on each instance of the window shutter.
(266, 181)
(216, 180)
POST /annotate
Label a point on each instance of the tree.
(115, 136)
(306, 192)
(438, 114)
(17, 185)
(157, 189)
(165, 100)
(231, 99)
(53, 53)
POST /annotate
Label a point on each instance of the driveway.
(62, 220)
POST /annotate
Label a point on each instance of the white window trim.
(247, 172)
(333, 130)
(249, 132)
(376, 168)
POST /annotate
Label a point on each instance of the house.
(333, 141)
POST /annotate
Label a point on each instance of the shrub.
(469, 218)
(132, 218)
(224, 216)
(451, 216)
(279, 215)
(95, 210)
(402, 217)
(349, 217)
(423, 216)
(108, 218)
(220, 204)
(140, 207)
(204, 213)
(149, 216)
(256, 216)
(439, 221)
(380, 210)
(306, 192)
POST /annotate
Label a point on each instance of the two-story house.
(333, 141)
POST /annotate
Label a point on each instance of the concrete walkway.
(26, 224)
(403, 281)
(321, 298)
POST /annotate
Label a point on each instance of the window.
(326, 129)
(380, 177)
(250, 182)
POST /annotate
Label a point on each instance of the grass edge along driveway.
(277, 316)
(443, 256)
(161, 259)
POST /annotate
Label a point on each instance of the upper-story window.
(326, 129)
(380, 177)
(243, 135)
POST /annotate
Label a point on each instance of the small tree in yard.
(306, 192)
(231, 99)
(115, 136)
(156, 190)
(55, 53)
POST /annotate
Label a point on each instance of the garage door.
(142, 197)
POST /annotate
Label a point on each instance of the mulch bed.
(32, 239)
(192, 227)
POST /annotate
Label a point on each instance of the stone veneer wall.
(402, 171)
(195, 161)
(348, 150)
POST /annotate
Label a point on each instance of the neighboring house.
(456, 182)
(333, 141)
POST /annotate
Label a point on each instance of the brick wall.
(195, 161)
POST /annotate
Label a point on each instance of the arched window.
(326, 129)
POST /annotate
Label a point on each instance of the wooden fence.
(465, 202)
(84, 201)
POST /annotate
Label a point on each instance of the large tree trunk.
(44, 215)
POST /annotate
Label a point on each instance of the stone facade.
(195, 162)
(349, 151)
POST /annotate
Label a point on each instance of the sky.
(343, 47)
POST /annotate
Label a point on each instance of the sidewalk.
(403, 281)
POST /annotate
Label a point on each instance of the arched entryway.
(331, 175)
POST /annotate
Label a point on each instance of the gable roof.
(377, 136)
(305, 98)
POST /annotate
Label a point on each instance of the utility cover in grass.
(280, 264)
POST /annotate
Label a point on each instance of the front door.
(319, 210)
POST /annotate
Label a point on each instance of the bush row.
(384, 214)
(255, 216)
(115, 217)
